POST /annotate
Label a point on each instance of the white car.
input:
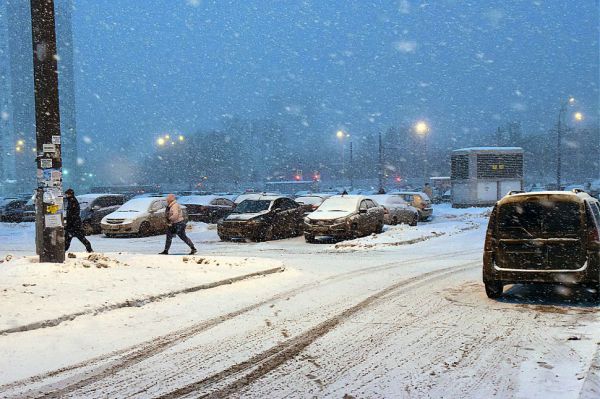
(142, 216)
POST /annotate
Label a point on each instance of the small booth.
(480, 176)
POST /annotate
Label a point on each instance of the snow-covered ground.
(400, 314)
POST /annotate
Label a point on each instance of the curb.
(130, 303)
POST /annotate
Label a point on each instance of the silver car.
(396, 209)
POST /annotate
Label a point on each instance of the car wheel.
(310, 239)
(379, 228)
(494, 289)
(414, 221)
(144, 230)
(88, 230)
(224, 238)
(394, 220)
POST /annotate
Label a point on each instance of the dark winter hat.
(70, 191)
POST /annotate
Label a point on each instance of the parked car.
(419, 200)
(29, 210)
(263, 218)
(94, 207)
(142, 216)
(543, 237)
(207, 208)
(11, 209)
(344, 216)
(310, 203)
(246, 196)
(396, 210)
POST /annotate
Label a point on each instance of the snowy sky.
(148, 67)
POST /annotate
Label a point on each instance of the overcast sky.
(154, 66)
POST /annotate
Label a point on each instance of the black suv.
(94, 207)
(543, 237)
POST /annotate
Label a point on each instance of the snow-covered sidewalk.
(34, 295)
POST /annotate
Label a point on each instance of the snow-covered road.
(402, 314)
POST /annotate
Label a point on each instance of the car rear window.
(532, 219)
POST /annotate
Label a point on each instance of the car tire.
(394, 221)
(144, 230)
(414, 221)
(379, 228)
(310, 239)
(87, 228)
(494, 289)
(224, 238)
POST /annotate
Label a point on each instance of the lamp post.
(578, 117)
(422, 129)
(342, 136)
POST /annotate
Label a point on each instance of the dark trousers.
(77, 233)
(178, 229)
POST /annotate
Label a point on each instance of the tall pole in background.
(49, 219)
(558, 145)
(380, 165)
(351, 167)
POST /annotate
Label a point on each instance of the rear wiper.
(524, 229)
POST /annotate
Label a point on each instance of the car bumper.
(588, 274)
(338, 230)
(242, 230)
(116, 229)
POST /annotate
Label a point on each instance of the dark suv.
(543, 237)
(263, 218)
(94, 207)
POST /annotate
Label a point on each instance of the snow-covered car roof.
(517, 197)
(422, 194)
(311, 199)
(139, 204)
(91, 197)
(388, 199)
(200, 199)
(256, 196)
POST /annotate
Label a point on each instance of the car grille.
(323, 222)
(114, 221)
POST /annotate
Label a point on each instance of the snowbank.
(34, 295)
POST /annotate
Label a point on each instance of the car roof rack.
(513, 192)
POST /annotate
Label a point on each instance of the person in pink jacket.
(176, 224)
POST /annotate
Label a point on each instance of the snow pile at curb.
(35, 295)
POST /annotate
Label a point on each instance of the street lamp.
(422, 129)
(161, 141)
(578, 116)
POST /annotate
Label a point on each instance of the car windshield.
(253, 206)
(136, 205)
(532, 219)
(339, 204)
(309, 200)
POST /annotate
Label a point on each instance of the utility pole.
(49, 216)
(351, 167)
(558, 145)
(380, 169)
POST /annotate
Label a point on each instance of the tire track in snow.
(269, 360)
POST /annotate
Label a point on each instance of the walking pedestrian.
(74, 227)
(176, 224)
(427, 190)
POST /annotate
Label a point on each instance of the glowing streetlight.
(167, 137)
(20, 143)
(18, 149)
(421, 128)
(161, 141)
(578, 116)
(181, 138)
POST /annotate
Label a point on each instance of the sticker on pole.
(51, 148)
(52, 220)
(52, 209)
(45, 163)
(55, 139)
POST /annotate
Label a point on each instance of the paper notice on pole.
(49, 148)
(55, 139)
(56, 175)
(52, 220)
(45, 163)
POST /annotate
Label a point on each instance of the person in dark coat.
(74, 227)
(176, 223)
